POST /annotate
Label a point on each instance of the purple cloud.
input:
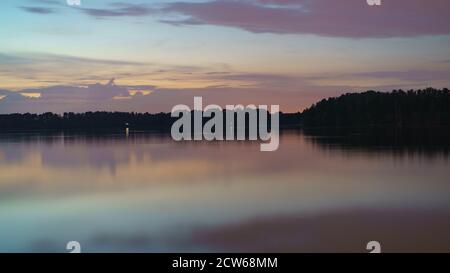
(91, 93)
(411, 75)
(350, 18)
(101, 97)
(119, 10)
(330, 18)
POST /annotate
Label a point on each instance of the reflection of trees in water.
(398, 142)
(97, 149)
(78, 136)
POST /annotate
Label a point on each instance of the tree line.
(427, 108)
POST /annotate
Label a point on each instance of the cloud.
(43, 7)
(329, 18)
(350, 18)
(4, 92)
(184, 22)
(110, 97)
(411, 75)
(8, 97)
(38, 10)
(62, 98)
(11, 59)
(40, 58)
(18, 71)
(292, 93)
(90, 93)
(119, 10)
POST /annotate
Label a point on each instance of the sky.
(149, 55)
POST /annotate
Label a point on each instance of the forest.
(427, 108)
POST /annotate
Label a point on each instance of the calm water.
(146, 193)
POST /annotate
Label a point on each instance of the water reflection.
(144, 192)
(400, 143)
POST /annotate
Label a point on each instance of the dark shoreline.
(413, 110)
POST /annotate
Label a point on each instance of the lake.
(144, 192)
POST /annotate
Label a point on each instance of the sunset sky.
(60, 58)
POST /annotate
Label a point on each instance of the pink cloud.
(349, 18)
